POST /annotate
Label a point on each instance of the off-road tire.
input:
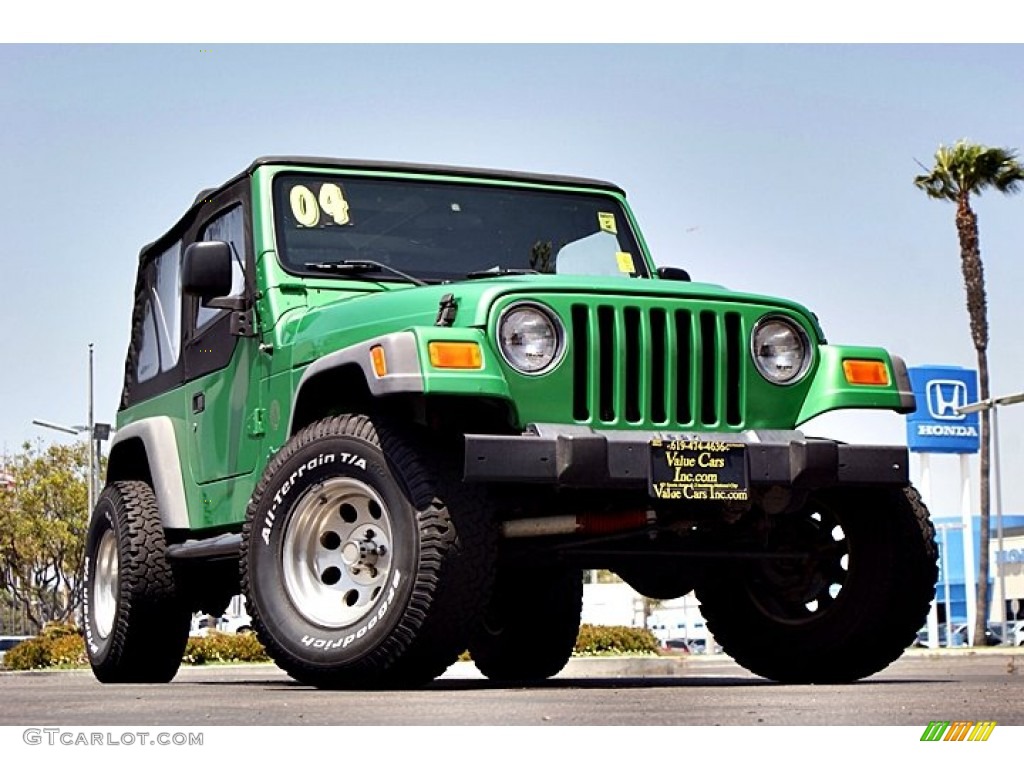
(530, 627)
(136, 622)
(420, 558)
(785, 620)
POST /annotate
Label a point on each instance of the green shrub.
(56, 645)
(220, 646)
(596, 640)
(30, 654)
(62, 646)
(68, 651)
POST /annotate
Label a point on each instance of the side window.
(160, 342)
(228, 227)
(167, 297)
(149, 357)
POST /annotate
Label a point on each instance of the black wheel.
(136, 622)
(530, 627)
(853, 584)
(362, 567)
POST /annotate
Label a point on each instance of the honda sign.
(937, 426)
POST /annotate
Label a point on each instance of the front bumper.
(581, 457)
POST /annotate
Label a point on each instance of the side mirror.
(206, 270)
(673, 273)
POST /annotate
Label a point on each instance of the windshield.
(438, 231)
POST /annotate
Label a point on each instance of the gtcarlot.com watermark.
(70, 737)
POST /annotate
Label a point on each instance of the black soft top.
(394, 167)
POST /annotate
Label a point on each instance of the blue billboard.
(936, 427)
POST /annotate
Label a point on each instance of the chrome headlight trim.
(558, 337)
(797, 371)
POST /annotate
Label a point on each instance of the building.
(1009, 561)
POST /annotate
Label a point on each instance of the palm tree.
(960, 171)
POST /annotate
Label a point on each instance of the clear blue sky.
(777, 169)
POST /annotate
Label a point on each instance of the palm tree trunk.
(977, 310)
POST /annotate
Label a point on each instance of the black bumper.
(575, 457)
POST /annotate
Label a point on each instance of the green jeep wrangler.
(402, 407)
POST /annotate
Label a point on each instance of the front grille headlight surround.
(780, 349)
(531, 337)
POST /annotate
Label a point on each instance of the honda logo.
(944, 397)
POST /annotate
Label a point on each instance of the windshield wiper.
(358, 267)
(499, 272)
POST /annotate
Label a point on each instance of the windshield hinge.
(446, 311)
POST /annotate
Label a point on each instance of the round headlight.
(780, 350)
(530, 338)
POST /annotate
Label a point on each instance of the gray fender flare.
(157, 435)
(403, 375)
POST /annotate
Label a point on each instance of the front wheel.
(136, 622)
(357, 573)
(845, 586)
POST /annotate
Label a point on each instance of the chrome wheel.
(104, 591)
(336, 558)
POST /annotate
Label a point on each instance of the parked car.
(1016, 633)
(993, 636)
(680, 644)
(690, 645)
(228, 624)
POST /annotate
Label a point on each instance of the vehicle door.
(221, 356)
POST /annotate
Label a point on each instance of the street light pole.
(992, 404)
(93, 460)
(97, 433)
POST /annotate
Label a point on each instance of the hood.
(354, 318)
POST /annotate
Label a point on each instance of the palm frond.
(966, 168)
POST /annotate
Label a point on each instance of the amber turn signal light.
(380, 363)
(455, 354)
(871, 372)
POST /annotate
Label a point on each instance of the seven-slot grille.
(652, 365)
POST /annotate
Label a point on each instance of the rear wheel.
(851, 583)
(136, 622)
(530, 627)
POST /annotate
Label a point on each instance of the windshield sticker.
(333, 201)
(625, 261)
(306, 210)
(304, 207)
(607, 222)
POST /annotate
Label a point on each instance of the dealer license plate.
(698, 470)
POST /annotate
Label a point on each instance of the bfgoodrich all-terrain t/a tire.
(361, 566)
(136, 624)
(530, 628)
(853, 582)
